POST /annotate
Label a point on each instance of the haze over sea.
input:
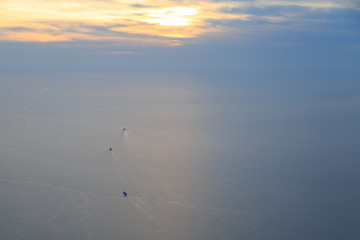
(197, 161)
(179, 120)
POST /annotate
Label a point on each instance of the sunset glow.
(179, 119)
(132, 22)
(171, 16)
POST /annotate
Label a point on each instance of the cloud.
(121, 53)
(136, 5)
(158, 22)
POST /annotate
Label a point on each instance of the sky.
(243, 119)
(253, 39)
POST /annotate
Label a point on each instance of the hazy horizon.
(241, 120)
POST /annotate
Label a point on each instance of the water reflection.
(193, 167)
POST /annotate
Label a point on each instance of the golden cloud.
(128, 22)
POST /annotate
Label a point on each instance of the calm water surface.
(198, 161)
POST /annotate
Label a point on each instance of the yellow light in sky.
(165, 22)
(176, 16)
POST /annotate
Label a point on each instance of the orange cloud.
(140, 21)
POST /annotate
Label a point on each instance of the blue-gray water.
(199, 160)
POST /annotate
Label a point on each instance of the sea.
(198, 158)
